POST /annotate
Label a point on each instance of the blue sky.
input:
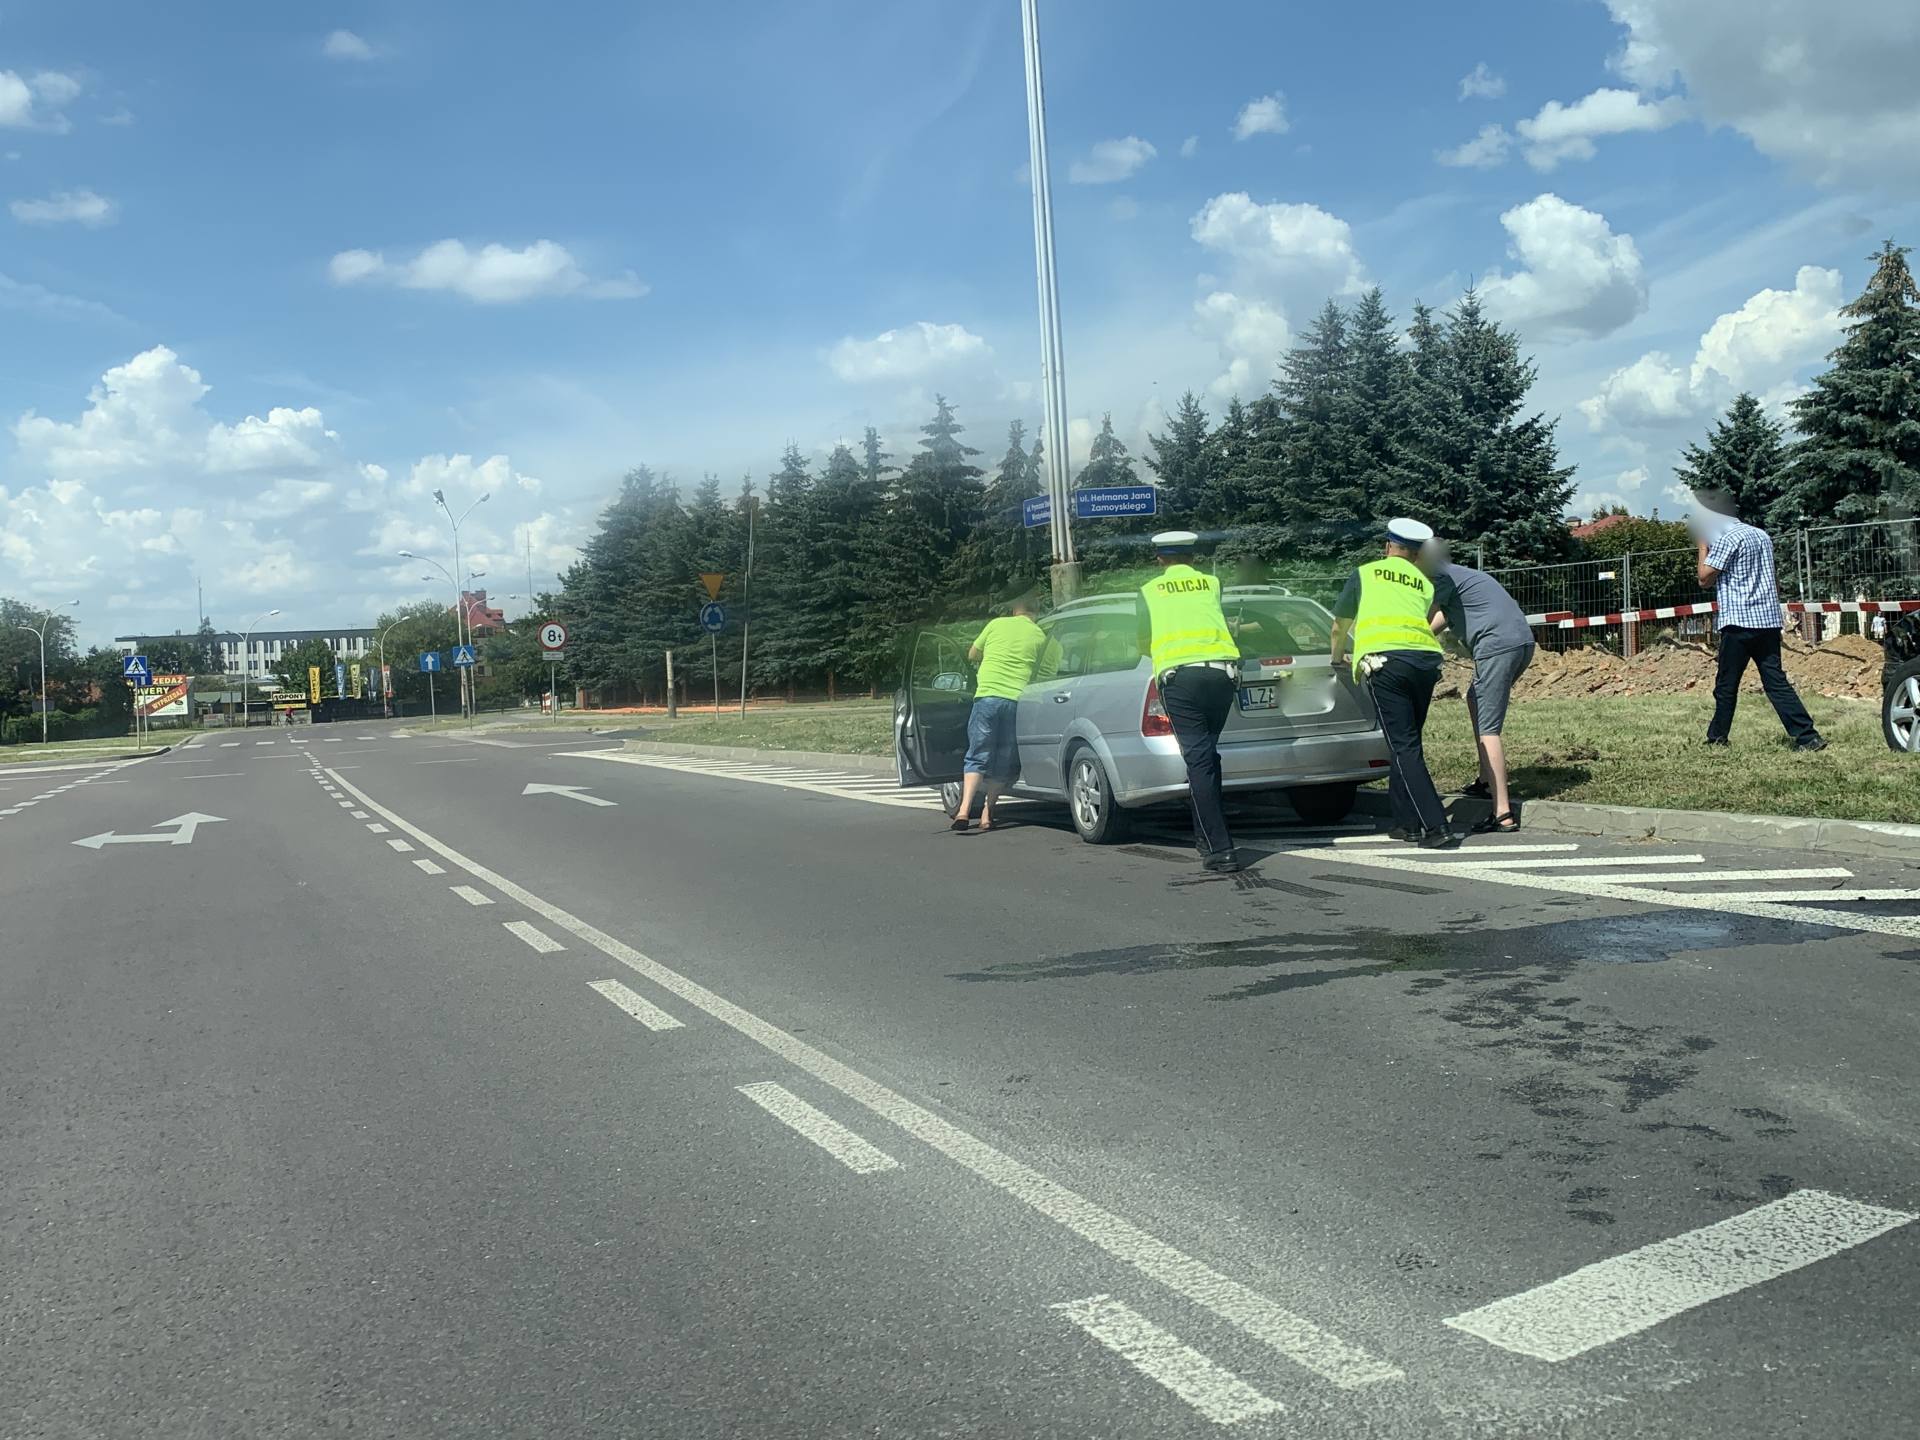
(269, 275)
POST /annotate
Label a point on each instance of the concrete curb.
(1858, 838)
(28, 769)
(812, 759)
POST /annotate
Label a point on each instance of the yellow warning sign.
(713, 580)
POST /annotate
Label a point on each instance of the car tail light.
(1153, 715)
(1378, 764)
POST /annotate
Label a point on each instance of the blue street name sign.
(1111, 502)
(135, 667)
(429, 662)
(1036, 511)
(713, 617)
(463, 656)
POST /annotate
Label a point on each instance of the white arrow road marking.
(572, 792)
(183, 827)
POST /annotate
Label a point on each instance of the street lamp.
(466, 674)
(386, 676)
(41, 635)
(246, 641)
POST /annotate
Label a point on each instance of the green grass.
(1627, 750)
(68, 751)
(1648, 750)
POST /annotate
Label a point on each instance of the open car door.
(930, 711)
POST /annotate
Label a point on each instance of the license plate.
(1259, 697)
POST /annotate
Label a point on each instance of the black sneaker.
(1223, 862)
(1442, 839)
(1810, 744)
(1400, 832)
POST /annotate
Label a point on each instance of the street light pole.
(1066, 569)
(246, 641)
(41, 635)
(386, 676)
(466, 676)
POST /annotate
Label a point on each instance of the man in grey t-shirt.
(1490, 623)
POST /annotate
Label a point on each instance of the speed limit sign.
(553, 636)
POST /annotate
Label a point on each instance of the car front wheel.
(1097, 816)
(1900, 711)
(950, 799)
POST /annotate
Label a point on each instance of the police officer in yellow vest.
(1196, 661)
(1383, 619)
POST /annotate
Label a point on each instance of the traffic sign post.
(713, 617)
(553, 641)
(463, 657)
(430, 667)
(136, 669)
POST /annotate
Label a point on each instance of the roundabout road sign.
(713, 617)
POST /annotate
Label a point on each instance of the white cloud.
(1756, 347)
(1828, 88)
(22, 96)
(345, 45)
(1487, 149)
(1298, 242)
(1567, 132)
(1577, 278)
(490, 275)
(23, 295)
(1111, 161)
(1189, 147)
(66, 206)
(907, 353)
(1265, 116)
(1251, 336)
(1480, 83)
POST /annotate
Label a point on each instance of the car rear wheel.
(1097, 817)
(1322, 804)
(1900, 711)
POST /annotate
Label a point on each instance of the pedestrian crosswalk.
(846, 784)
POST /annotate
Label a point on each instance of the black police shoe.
(1223, 862)
(1444, 838)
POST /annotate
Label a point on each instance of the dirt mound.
(1846, 667)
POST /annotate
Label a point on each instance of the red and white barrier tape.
(1567, 620)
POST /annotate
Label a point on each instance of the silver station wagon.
(1094, 736)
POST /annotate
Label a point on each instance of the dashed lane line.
(399, 846)
(1210, 1388)
(822, 1129)
(535, 937)
(471, 895)
(430, 867)
(1612, 1299)
(1300, 1339)
(635, 1004)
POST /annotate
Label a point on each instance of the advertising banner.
(165, 699)
(353, 681)
(313, 684)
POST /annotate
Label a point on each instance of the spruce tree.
(1003, 558)
(1309, 501)
(1371, 415)
(1108, 462)
(1745, 456)
(1859, 452)
(1183, 461)
(788, 632)
(844, 499)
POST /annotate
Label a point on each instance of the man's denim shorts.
(991, 748)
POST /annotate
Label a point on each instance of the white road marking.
(217, 775)
(1843, 892)
(572, 792)
(263, 742)
(430, 867)
(335, 739)
(1368, 840)
(471, 895)
(399, 846)
(1294, 1336)
(28, 804)
(182, 828)
(376, 827)
(1639, 893)
(1693, 877)
(14, 811)
(768, 775)
(1490, 854)
(1216, 1392)
(534, 936)
(821, 1128)
(462, 760)
(346, 805)
(1494, 862)
(636, 1005)
(359, 814)
(1615, 1298)
(229, 744)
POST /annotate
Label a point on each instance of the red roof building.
(1590, 528)
(480, 617)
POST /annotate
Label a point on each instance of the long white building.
(265, 647)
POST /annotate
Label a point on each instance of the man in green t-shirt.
(1004, 655)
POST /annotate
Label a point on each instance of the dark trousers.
(1198, 701)
(1402, 690)
(1738, 645)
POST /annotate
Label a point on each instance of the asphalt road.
(396, 1100)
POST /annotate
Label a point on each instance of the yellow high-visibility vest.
(1188, 623)
(1396, 601)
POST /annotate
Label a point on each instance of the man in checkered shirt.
(1736, 560)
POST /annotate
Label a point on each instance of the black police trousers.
(1198, 700)
(1402, 690)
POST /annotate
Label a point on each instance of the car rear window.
(1268, 627)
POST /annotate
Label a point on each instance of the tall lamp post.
(466, 674)
(246, 643)
(386, 676)
(41, 636)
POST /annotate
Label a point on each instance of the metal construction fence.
(1605, 602)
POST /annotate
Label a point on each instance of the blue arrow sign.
(135, 667)
(1037, 511)
(429, 662)
(1113, 501)
(713, 617)
(463, 656)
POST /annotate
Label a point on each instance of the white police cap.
(1403, 531)
(1175, 540)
